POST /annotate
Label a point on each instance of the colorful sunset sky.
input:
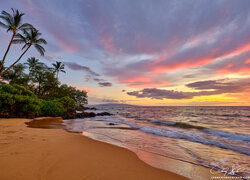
(145, 52)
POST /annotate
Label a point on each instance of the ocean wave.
(195, 137)
(177, 124)
(228, 135)
(219, 138)
(224, 134)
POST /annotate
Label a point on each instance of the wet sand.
(54, 154)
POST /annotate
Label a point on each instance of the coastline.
(34, 153)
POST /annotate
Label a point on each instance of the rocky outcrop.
(74, 115)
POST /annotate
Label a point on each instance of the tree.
(17, 75)
(12, 23)
(31, 37)
(58, 67)
(42, 78)
(32, 64)
(48, 85)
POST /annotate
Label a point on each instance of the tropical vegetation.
(32, 88)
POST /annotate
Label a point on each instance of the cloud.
(154, 93)
(49, 58)
(170, 35)
(233, 64)
(78, 67)
(212, 87)
(105, 84)
(99, 80)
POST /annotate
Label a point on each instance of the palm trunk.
(57, 74)
(15, 61)
(4, 57)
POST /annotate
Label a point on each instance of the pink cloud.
(247, 61)
(106, 40)
(197, 60)
(225, 69)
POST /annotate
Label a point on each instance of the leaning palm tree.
(58, 67)
(12, 23)
(30, 37)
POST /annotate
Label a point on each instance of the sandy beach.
(34, 153)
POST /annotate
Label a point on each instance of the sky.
(145, 52)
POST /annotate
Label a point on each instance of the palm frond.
(19, 41)
(41, 40)
(40, 49)
(7, 20)
(20, 36)
(25, 26)
(6, 16)
(4, 25)
(25, 46)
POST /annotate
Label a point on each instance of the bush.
(67, 102)
(15, 100)
(51, 108)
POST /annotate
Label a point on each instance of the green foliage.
(17, 75)
(79, 96)
(51, 108)
(15, 100)
(67, 102)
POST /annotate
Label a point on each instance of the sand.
(54, 154)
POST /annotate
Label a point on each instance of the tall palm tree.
(30, 37)
(58, 67)
(12, 23)
(2, 68)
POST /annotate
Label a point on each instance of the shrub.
(51, 108)
(15, 100)
(67, 102)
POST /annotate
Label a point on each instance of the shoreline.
(34, 153)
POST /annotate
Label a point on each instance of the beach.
(34, 153)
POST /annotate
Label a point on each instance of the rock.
(45, 122)
(111, 124)
(104, 114)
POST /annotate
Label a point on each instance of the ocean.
(179, 139)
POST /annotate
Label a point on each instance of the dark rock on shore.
(104, 114)
(73, 115)
(86, 108)
(70, 114)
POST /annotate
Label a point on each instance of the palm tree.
(2, 68)
(58, 67)
(12, 23)
(32, 62)
(31, 37)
